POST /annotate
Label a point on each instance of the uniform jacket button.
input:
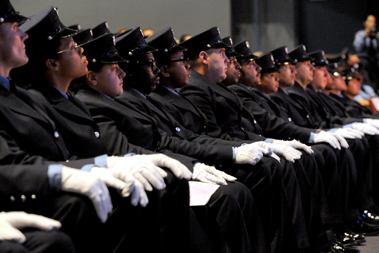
(56, 134)
(97, 134)
(12, 198)
(177, 129)
(23, 198)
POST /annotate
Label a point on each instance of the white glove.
(295, 144)
(349, 133)
(90, 185)
(366, 128)
(142, 169)
(10, 222)
(290, 154)
(200, 173)
(123, 180)
(176, 167)
(275, 156)
(328, 138)
(248, 154)
(373, 122)
(218, 173)
(264, 145)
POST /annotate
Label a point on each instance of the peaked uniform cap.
(203, 41)
(281, 56)
(83, 37)
(299, 54)
(243, 48)
(318, 58)
(333, 69)
(9, 14)
(266, 62)
(165, 41)
(100, 30)
(46, 25)
(102, 50)
(230, 52)
(349, 74)
(133, 43)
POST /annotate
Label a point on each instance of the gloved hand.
(349, 133)
(248, 154)
(290, 154)
(123, 179)
(328, 138)
(275, 156)
(90, 185)
(218, 173)
(176, 167)
(10, 222)
(159, 160)
(373, 122)
(366, 128)
(341, 140)
(264, 145)
(143, 170)
(295, 144)
(200, 173)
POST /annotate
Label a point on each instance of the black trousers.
(39, 241)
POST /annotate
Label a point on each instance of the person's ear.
(91, 78)
(164, 70)
(203, 56)
(52, 64)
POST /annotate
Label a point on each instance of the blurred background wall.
(267, 24)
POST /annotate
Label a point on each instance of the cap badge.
(1, 20)
(247, 44)
(231, 41)
(286, 50)
(114, 40)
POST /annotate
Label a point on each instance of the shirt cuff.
(129, 155)
(54, 175)
(311, 138)
(100, 161)
(269, 140)
(332, 130)
(349, 125)
(234, 154)
(364, 120)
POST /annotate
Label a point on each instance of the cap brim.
(176, 49)
(270, 70)
(114, 58)
(221, 44)
(284, 61)
(66, 33)
(247, 58)
(232, 53)
(16, 18)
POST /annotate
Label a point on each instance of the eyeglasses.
(151, 64)
(185, 61)
(73, 47)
